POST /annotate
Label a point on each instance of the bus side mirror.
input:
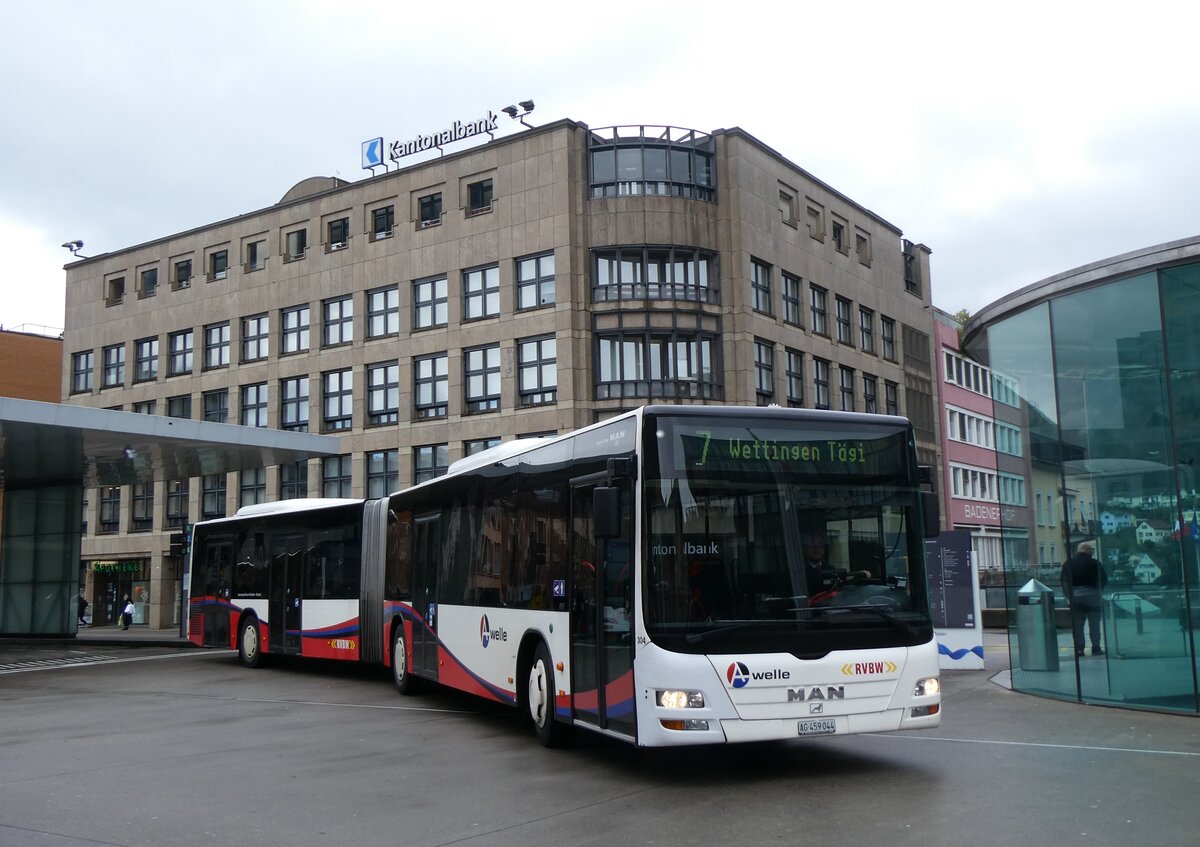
(606, 512)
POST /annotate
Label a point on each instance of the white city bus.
(675, 575)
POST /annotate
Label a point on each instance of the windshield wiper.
(697, 637)
(880, 612)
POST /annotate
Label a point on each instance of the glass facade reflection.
(1106, 371)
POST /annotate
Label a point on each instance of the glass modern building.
(1100, 367)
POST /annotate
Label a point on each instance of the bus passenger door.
(218, 565)
(601, 615)
(287, 581)
(427, 553)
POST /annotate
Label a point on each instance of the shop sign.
(116, 567)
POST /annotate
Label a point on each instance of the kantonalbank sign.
(372, 150)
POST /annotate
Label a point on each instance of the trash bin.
(1037, 636)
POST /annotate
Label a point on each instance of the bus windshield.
(797, 535)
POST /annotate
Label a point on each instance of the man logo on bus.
(485, 632)
(738, 674)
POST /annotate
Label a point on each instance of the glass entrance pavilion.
(1099, 367)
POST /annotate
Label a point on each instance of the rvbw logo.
(487, 634)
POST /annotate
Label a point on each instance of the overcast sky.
(1017, 140)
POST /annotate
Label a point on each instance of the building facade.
(1105, 362)
(30, 365)
(528, 286)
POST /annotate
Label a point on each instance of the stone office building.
(526, 286)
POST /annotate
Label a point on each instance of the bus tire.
(539, 699)
(249, 642)
(405, 683)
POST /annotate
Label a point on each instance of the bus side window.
(399, 557)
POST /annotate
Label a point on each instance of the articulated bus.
(675, 575)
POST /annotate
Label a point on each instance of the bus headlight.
(928, 687)
(674, 699)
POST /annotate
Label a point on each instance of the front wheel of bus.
(249, 644)
(400, 674)
(540, 699)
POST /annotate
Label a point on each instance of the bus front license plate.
(818, 726)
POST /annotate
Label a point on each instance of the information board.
(954, 600)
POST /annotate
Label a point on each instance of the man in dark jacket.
(1083, 579)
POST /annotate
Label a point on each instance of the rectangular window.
(338, 322)
(383, 472)
(760, 286)
(212, 495)
(479, 197)
(887, 337)
(795, 378)
(481, 377)
(1008, 439)
(430, 461)
(891, 398)
(142, 514)
(177, 503)
(383, 312)
(967, 374)
(145, 359)
(180, 353)
(149, 283)
(253, 483)
(296, 243)
(862, 247)
(816, 220)
(431, 386)
(383, 393)
(791, 300)
(216, 406)
(537, 371)
(218, 267)
(183, 274)
(820, 383)
(535, 281)
(338, 400)
(481, 293)
(970, 428)
(256, 256)
(429, 210)
(870, 394)
(256, 336)
(338, 233)
(336, 476)
(843, 321)
(293, 480)
(846, 386)
(866, 330)
(82, 365)
(383, 221)
(179, 406)
(293, 404)
(817, 307)
(254, 405)
(295, 330)
(430, 303)
(113, 362)
(146, 407)
(840, 239)
(114, 291)
(216, 346)
(110, 509)
(764, 372)
(478, 445)
(787, 207)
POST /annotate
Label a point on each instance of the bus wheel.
(405, 684)
(249, 644)
(540, 698)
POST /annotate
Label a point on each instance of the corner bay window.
(633, 160)
(654, 273)
(650, 364)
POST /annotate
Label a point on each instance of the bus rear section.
(285, 579)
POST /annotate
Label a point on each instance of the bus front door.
(427, 554)
(287, 584)
(601, 616)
